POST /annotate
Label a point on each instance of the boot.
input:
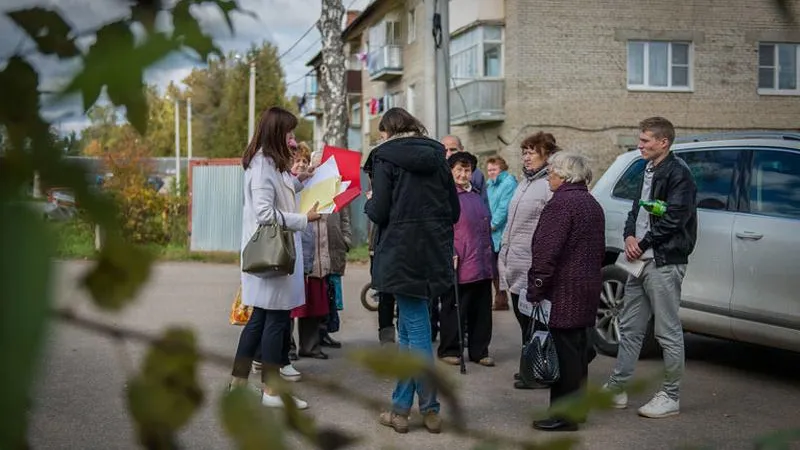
(386, 335)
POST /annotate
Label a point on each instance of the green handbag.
(270, 252)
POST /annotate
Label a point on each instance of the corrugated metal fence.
(216, 205)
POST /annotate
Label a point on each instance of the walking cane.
(458, 317)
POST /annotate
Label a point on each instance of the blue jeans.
(414, 334)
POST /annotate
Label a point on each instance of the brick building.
(585, 71)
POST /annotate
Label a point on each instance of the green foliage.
(249, 424)
(24, 300)
(166, 394)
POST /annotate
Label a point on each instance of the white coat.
(265, 190)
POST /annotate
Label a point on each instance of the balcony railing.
(385, 63)
(313, 105)
(478, 101)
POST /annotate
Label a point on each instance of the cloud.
(281, 22)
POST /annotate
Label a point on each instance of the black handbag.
(539, 359)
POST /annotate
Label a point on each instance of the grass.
(76, 241)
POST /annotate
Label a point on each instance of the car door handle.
(753, 236)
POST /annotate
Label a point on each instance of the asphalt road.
(731, 392)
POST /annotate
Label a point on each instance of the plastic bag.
(240, 313)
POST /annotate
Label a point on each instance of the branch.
(331, 386)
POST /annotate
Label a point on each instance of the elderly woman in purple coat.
(568, 248)
(474, 260)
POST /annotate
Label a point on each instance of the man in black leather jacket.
(663, 244)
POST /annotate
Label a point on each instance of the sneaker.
(487, 362)
(289, 373)
(256, 366)
(452, 360)
(275, 401)
(660, 406)
(432, 422)
(619, 400)
(395, 421)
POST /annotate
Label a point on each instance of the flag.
(349, 164)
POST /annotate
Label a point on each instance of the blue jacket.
(500, 190)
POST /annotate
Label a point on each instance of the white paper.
(325, 170)
(541, 334)
(546, 306)
(525, 307)
(634, 268)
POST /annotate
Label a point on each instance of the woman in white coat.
(270, 187)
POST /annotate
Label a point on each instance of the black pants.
(572, 347)
(523, 320)
(309, 333)
(386, 307)
(476, 315)
(271, 329)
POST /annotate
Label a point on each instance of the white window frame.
(411, 96)
(479, 47)
(775, 90)
(412, 25)
(646, 69)
(356, 113)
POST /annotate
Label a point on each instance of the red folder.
(349, 164)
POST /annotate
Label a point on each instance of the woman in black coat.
(414, 205)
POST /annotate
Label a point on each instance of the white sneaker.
(289, 373)
(275, 401)
(256, 366)
(618, 400)
(660, 406)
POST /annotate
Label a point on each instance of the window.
(412, 26)
(629, 185)
(713, 173)
(477, 53)
(355, 115)
(777, 68)
(775, 184)
(659, 66)
(411, 95)
(385, 33)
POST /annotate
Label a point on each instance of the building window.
(355, 115)
(477, 53)
(411, 95)
(659, 65)
(385, 33)
(412, 25)
(777, 69)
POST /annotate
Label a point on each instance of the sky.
(281, 22)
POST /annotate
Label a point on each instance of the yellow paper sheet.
(322, 192)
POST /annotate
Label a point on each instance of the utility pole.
(189, 128)
(441, 32)
(177, 147)
(332, 74)
(251, 108)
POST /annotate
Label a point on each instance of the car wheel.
(607, 329)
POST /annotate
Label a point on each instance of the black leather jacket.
(673, 235)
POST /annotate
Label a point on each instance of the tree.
(332, 73)
(160, 137)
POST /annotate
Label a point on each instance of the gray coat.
(514, 259)
(339, 239)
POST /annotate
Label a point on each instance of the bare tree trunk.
(332, 74)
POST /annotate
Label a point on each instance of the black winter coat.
(414, 206)
(673, 235)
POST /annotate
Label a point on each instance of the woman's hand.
(368, 194)
(312, 214)
(303, 176)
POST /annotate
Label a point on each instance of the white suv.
(743, 279)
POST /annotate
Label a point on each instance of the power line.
(300, 39)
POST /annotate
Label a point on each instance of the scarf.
(535, 174)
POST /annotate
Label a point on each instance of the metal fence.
(215, 207)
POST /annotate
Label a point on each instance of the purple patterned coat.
(473, 238)
(568, 249)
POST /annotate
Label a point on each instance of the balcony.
(385, 63)
(313, 106)
(478, 101)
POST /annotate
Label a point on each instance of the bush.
(146, 217)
